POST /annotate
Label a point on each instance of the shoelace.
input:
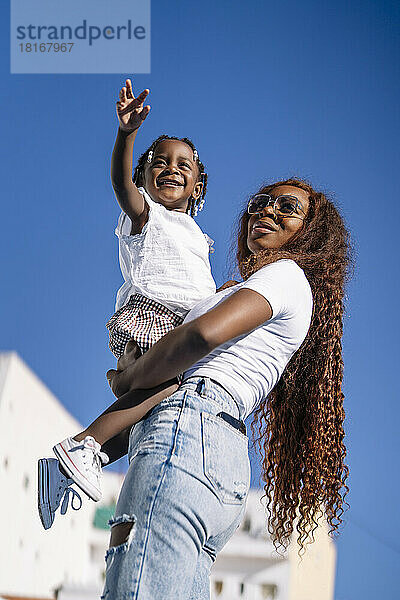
(67, 493)
(99, 458)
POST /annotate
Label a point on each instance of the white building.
(70, 556)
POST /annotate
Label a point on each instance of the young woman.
(271, 344)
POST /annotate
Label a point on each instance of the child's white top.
(167, 262)
(250, 365)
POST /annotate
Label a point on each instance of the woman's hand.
(121, 379)
(130, 110)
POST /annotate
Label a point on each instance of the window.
(268, 591)
(241, 589)
(246, 524)
(218, 587)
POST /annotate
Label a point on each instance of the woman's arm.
(182, 347)
(131, 114)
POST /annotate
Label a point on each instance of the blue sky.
(266, 90)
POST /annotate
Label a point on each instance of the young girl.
(164, 258)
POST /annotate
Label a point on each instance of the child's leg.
(125, 412)
(81, 457)
(118, 446)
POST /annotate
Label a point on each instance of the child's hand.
(119, 380)
(130, 110)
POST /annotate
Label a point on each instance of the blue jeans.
(184, 493)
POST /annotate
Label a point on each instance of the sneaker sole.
(45, 515)
(74, 473)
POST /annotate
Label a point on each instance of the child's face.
(172, 176)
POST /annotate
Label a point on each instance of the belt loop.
(200, 387)
(203, 387)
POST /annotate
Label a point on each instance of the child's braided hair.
(138, 175)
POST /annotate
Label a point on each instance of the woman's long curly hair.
(299, 426)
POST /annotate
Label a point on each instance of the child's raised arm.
(131, 114)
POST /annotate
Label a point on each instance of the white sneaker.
(54, 487)
(83, 461)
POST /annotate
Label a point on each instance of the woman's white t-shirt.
(250, 365)
(167, 262)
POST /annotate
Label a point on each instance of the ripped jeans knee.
(122, 532)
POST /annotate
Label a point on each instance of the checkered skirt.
(142, 319)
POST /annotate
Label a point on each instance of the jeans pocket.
(225, 459)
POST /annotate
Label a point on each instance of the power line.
(378, 537)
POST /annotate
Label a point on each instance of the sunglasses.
(282, 206)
